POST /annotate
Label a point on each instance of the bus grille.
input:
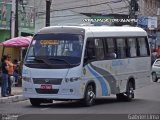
(45, 91)
(54, 81)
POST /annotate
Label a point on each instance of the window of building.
(121, 47)
(158, 4)
(132, 47)
(147, 4)
(155, 3)
(151, 3)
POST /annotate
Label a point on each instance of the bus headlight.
(27, 79)
(73, 79)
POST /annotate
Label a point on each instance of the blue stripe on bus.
(100, 79)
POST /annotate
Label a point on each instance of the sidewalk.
(17, 91)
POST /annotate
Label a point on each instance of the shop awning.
(17, 42)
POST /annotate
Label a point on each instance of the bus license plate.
(48, 87)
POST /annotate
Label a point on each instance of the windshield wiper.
(33, 58)
(60, 60)
(42, 59)
(39, 59)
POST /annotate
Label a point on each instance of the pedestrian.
(10, 74)
(153, 57)
(158, 51)
(4, 68)
(15, 73)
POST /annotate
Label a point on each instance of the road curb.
(10, 99)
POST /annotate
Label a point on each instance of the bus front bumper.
(66, 94)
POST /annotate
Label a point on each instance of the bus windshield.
(54, 50)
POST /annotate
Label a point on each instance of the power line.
(81, 14)
(61, 16)
(70, 8)
(88, 5)
(81, 17)
(114, 9)
(69, 2)
(68, 19)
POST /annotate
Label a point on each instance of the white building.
(70, 11)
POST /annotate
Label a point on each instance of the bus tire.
(154, 77)
(35, 101)
(128, 95)
(130, 92)
(89, 97)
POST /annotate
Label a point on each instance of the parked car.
(153, 57)
(156, 70)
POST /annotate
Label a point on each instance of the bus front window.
(55, 49)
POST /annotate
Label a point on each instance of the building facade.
(25, 19)
(150, 12)
(26, 24)
(76, 11)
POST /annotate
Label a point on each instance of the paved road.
(147, 101)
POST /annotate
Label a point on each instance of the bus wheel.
(89, 96)
(128, 95)
(130, 92)
(154, 77)
(35, 101)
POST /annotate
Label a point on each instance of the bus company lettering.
(49, 42)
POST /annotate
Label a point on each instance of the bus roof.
(99, 30)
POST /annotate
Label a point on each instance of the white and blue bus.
(85, 63)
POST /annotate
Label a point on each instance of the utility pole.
(133, 9)
(12, 19)
(16, 20)
(10, 24)
(48, 5)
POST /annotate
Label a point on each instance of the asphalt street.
(147, 101)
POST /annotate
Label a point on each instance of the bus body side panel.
(143, 67)
(103, 72)
(111, 76)
(90, 74)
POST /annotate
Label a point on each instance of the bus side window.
(110, 49)
(132, 47)
(121, 48)
(90, 50)
(142, 46)
(99, 49)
